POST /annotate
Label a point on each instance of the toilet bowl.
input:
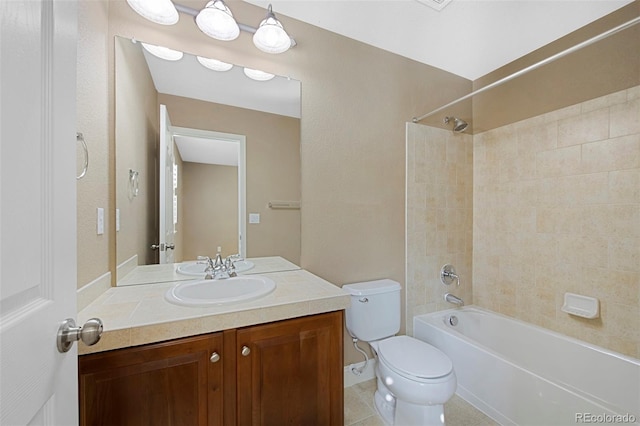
(417, 378)
(414, 379)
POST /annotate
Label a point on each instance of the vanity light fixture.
(216, 20)
(159, 11)
(214, 64)
(163, 52)
(270, 37)
(258, 75)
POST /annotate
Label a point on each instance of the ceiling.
(281, 95)
(469, 38)
(207, 151)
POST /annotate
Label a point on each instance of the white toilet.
(414, 378)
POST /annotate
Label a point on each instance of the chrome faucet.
(210, 268)
(218, 269)
(453, 299)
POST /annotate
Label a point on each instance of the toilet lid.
(409, 356)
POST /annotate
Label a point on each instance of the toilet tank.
(374, 313)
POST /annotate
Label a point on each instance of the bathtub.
(521, 374)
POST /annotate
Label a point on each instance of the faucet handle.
(448, 275)
(203, 259)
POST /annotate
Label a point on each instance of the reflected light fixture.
(214, 64)
(163, 52)
(216, 20)
(258, 75)
(159, 11)
(270, 37)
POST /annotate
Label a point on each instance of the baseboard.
(125, 267)
(90, 292)
(351, 378)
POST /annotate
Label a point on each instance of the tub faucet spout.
(453, 299)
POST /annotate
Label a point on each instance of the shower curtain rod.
(534, 66)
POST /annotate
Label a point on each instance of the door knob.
(157, 246)
(245, 351)
(68, 333)
(170, 246)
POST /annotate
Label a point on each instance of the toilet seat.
(413, 358)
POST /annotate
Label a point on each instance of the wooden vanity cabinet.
(169, 383)
(282, 373)
(291, 372)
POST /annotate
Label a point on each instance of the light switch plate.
(100, 221)
(117, 220)
(254, 217)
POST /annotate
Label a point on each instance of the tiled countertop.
(139, 314)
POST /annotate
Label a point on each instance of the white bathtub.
(518, 373)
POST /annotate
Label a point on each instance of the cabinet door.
(291, 372)
(171, 383)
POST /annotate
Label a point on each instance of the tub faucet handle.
(448, 274)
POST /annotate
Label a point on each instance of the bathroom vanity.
(276, 360)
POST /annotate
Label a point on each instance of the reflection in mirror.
(206, 198)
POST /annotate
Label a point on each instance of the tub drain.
(453, 320)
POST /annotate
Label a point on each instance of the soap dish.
(582, 306)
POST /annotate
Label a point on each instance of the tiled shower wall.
(556, 208)
(439, 217)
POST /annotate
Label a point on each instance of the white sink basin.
(220, 292)
(196, 269)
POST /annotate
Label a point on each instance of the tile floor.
(359, 410)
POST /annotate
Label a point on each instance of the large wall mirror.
(206, 161)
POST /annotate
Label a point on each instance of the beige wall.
(272, 170)
(557, 209)
(96, 188)
(210, 219)
(136, 130)
(356, 100)
(439, 217)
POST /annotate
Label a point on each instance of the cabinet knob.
(215, 357)
(245, 351)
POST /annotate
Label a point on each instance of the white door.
(168, 203)
(38, 385)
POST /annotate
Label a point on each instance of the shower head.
(459, 125)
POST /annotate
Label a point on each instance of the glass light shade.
(271, 36)
(214, 64)
(258, 75)
(216, 20)
(158, 11)
(163, 52)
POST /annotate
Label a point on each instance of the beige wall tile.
(625, 118)
(572, 226)
(624, 186)
(586, 127)
(558, 162)
(604, 101)
(624, 254)
(611, 154)
(439, 217)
